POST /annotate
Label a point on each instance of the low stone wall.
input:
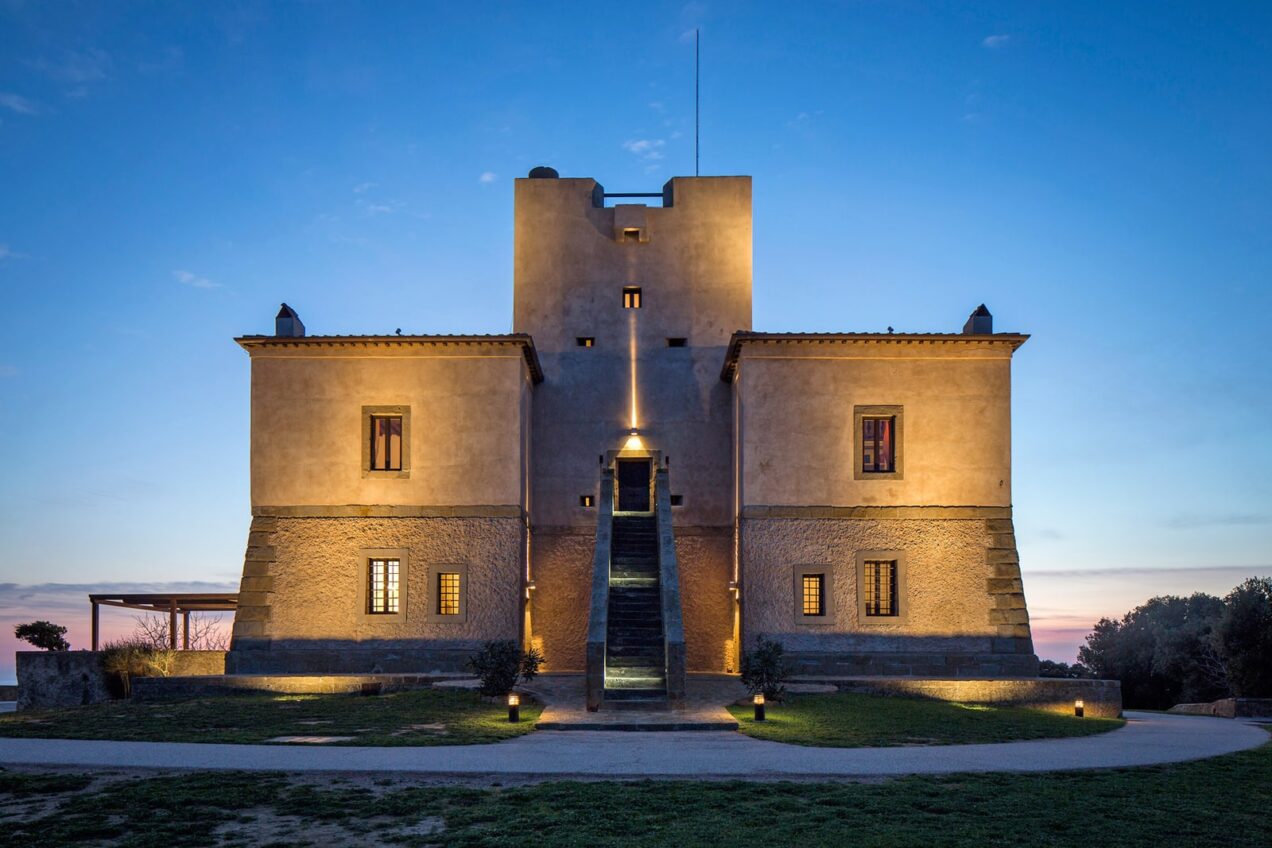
(942, 659)
(50, 679)
(1102, 698)
(180, 688)
(9, 692)
(1228, 708)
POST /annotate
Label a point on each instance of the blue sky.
(1096, 173)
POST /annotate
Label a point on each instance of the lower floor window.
(448, 593)
(880, 587)
(383, 586)
(813, 593)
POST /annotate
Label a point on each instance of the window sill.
(367, 474)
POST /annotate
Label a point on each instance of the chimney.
(287, 323)
(979, 323)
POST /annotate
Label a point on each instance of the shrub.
(1049, 668)
(44, 635)
(765, 669)
(1244, 637)
(129, 658)
(501, 665)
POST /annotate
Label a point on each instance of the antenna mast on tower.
(697, 37)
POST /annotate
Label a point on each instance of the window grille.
(878, 444)
(448, 593)
(382, 586)
(631, 297)
(814, 594)
(880, 590)
(386, 443)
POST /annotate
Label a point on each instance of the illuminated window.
(383, 586)
(585, 341)
(878, 444)
(585, 500)
(386, 442)
(631, 297)
(677, 341)
(448, 593)
(879, 587)
(631, 234)
(813, 594)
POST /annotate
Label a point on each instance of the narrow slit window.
(585, 341)
(880, 591)
(448, 593)
(382, 586)
(631, 297)
(386, 443)
(586, 501)
(677, 341)
(878, 444)
(814, 594)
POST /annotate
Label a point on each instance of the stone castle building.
(633, 481)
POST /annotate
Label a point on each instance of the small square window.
(879, 587)
(386, 442)
(677, 500)
(383, 582)
(677, 341)
(631, 297)
(631, 234)
(813, 594)
(585, 341)
(448, 593)
(586, 501)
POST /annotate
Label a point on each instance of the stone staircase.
(635, 650)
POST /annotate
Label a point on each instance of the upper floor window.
(631, 297)
(585, 341)
(383, 592)
(878, 440)
(878, 444)
(386, 443)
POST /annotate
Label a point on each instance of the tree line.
(1174, 650)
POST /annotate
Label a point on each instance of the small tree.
(129, 658)
(207, 633)
(501, 665)
(44, 635)
(765, 669)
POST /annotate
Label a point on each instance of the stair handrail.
(598, 616)
(669, 587)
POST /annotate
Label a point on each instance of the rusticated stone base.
(180, 688)
(346, 657)
(1101, 698)
(968, 665)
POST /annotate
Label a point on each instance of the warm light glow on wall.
(631, 324)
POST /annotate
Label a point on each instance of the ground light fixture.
(1079, 708)
(514, 707)
(759, 707)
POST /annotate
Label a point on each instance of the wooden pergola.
(174, 604)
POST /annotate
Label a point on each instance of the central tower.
(631, 308)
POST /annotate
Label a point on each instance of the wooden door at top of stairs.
(633, 485)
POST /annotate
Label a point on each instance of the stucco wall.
(694, 269)
(798, 447)
(705, 558)
(313, 570)
(561, 564)
(466, 419)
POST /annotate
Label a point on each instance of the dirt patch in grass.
(849, 720)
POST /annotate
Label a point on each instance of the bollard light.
(514, 707)
(759, 707)
(1079, 708)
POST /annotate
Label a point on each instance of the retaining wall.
(1101, 698)
(50, 679)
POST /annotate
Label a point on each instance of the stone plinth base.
(928, 664)
(1101, 698)
(181, 688)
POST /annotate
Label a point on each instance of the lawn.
(848, 720)
(1217, 802)
(418, 717)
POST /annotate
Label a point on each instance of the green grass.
(1218, 802)
(420, 717)
(847, 720)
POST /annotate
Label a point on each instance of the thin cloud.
(76, 66)
(645, 148)
(1230, 519)
(8, 371)
(363, 188)
(487, 177)
(7, 252)
(194, 281)
(1240, 571)
(17, 103)
(993, 41)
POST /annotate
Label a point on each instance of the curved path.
(1147, 739)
